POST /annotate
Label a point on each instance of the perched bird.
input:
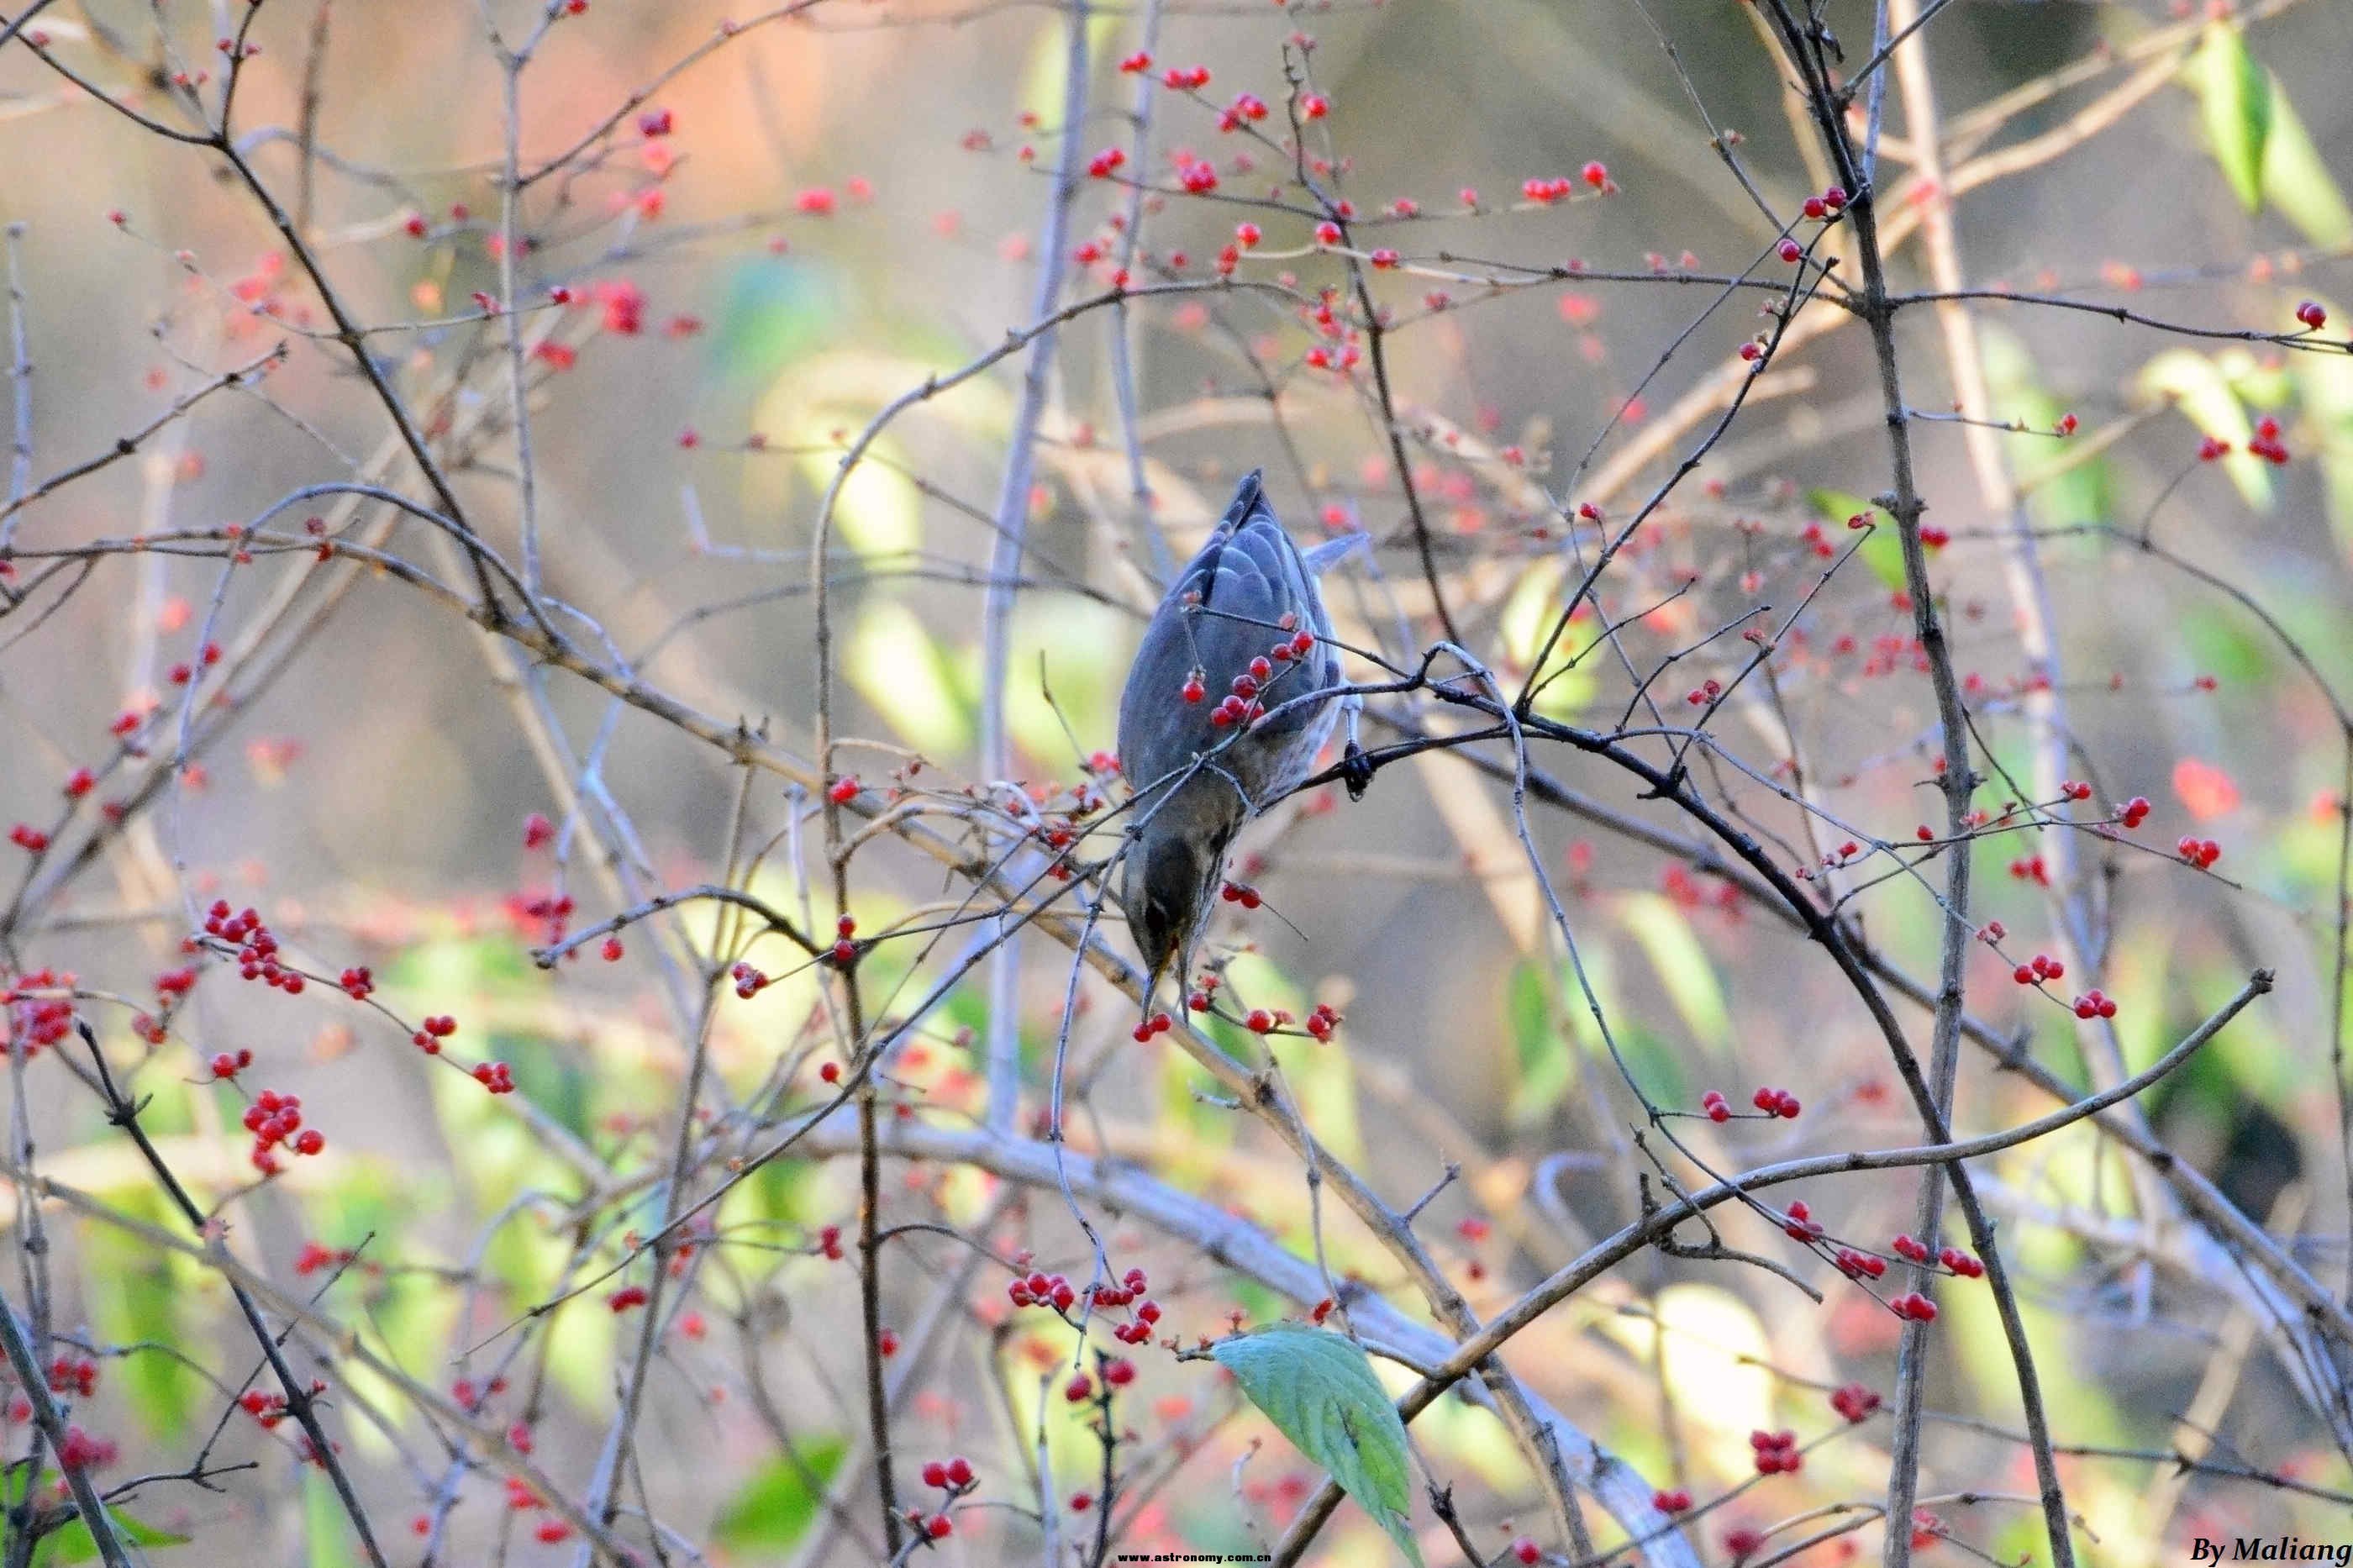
(1241, 633)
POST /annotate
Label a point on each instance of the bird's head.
(1169, 878)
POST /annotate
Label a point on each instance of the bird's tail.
(1320, 558)
(1250, 498)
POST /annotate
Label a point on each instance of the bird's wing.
(1247, 589)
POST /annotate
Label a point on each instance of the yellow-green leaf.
(770, 1511)
(1545, 1068)
(898, 668)
(151, 1299)
(1685, 972)
(2198, 389)
(2324, 385)
(1883, 550)
(2234, 100)
(71, 1543)
(2297, 182)
(328, 1527)
(2073, 495)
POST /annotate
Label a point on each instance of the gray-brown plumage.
(1196, 780)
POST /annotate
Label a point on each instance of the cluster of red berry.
(74, 1376)
(274, 1120)
(1772, 1101)
(1777, 1453)
(43, 1020)
(1854, 1402)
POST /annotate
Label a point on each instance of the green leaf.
(775, 312)
(897, 665)
(326, 1524)
(2198, 387)
(1883, 552)
(1545, 1068)
(1684, 970)
(1042, 73)
(1656, 1065)
(2072, 496)
(152, 1300)
(770, 1512)
(1319, 1390)
(72, 1542)
(1198, 1130)
(1062, 654)
(2324, 386)
(2297, 182)
(2234, 99)
(1527, 618)
(2221, 643)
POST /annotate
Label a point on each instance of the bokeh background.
(732, 326)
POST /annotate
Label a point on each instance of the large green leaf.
(2234, 100)
(1319, 1390)
(770, 1512)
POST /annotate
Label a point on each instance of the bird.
(1205, 740)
